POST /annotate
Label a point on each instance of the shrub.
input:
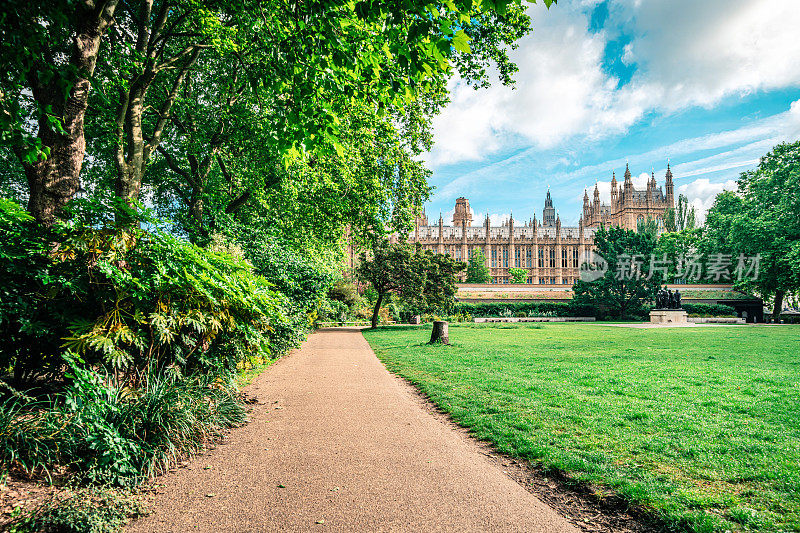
(715, 310)
(127, 299)
(509, 309)
(331, 311)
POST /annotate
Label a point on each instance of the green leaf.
(461, 42)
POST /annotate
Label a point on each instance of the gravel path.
(336, 443)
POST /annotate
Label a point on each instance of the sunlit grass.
(700, 425)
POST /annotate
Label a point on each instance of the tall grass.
(104, 434)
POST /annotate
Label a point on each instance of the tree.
(390, 268)
(628, 281)
(680, 218)
(49, 51)
(440, 288)
(477, 271)
(674, 247)
(518, 275)
(425, 279)
(303, 67)
(761, 219)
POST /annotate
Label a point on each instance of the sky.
(708, 85)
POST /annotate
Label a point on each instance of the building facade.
(629, 205)
(551, 253)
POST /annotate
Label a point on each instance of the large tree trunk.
(778, 305)
(376, 311)
(440, 333)
(54, 181)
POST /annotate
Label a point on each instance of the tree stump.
(439, 333)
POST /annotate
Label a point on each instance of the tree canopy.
(425, 280)
(233, 103)
(518, 275)
(477, 271)
(760, 220)
(630, 280)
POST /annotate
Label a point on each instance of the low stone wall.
(717, 320)
(537, 319)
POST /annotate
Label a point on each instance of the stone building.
(551, 253)
(628, 205)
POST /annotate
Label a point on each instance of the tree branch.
(237, 204)
(167, 106)
(173, 165)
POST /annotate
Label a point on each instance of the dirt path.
(337, 443)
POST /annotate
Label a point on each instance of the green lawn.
(701, 425)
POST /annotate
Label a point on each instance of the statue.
(666, 299)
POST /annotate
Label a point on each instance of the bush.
(520, 309)
(714, 310)
(331, 311)
(128, 299)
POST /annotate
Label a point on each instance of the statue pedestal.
(669, 316)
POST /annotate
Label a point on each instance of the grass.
(699, 426)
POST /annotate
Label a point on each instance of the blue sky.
(710, 86)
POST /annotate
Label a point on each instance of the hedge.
(709, 309)
(497, 309)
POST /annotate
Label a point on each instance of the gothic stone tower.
(462, 216)
(628, 205)
(549, 212)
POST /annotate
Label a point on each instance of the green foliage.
(628, 283)
(674, 247)
(424, 280)
(709, 309)
(695, 427)
(761, 218)
(495, 309)
(106, 434)
(680, 218)
(129, 299)
(82, 510)
(518, 275)
(332, 311)
(477, 271)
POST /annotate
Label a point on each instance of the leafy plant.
(82, 510)
(129, 299)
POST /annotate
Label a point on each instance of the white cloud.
(561, 88)
(687, 53)
(695, 53)
(627, 54)
(702, 192)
